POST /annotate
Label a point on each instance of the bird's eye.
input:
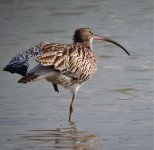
(90, 32)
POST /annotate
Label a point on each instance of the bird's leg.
(72, 106)
(55, 87)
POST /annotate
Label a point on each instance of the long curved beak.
(111, 41)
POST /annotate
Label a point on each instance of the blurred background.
(114, 109)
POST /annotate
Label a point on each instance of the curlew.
(68, 65)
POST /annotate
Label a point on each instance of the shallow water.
(114, 109)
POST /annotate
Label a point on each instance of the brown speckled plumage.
(76, 60)
(68, 65)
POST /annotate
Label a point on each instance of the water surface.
(114, 109)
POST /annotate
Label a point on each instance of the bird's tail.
(28, 78)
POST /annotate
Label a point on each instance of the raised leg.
(55, 87)
(72, 106)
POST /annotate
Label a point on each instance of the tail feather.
(28, 78)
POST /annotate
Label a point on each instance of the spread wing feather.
(75, 60)
(71, 59)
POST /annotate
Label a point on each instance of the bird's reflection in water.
(68, 138)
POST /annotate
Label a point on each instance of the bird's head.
(83, 35)
(86, 35)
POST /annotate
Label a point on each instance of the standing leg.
(72, 106)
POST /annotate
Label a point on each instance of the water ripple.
(61, 138)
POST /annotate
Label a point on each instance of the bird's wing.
(70, 59)
(54, 54)
(58, 56)
(20, 63)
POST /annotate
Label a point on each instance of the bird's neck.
(85, 43)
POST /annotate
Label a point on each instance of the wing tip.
(16, 68)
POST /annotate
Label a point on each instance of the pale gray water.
(114, 109)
